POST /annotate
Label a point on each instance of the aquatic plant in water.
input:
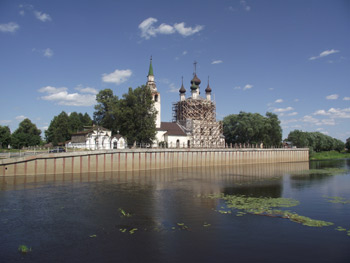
(123, 213)
(265, 206)
(326, 171)
(24, 249)
(337, 200)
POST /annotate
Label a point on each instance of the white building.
(96, 138)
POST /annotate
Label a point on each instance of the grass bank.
(329, 155)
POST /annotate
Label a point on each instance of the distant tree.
(315, 141)
(107, 110)
(85, 119)
(252, 128)
(347, 144)
(59, 130)
(137, 116)
(74, 122)
(298, 138)
(27, 134)
(5, 136)
(272, 132)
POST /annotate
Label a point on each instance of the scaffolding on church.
(198, 117)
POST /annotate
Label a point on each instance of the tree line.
(27, 134)
(316, 141)
(133, 116)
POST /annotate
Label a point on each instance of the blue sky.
(288, 57)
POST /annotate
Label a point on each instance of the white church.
(194, 122)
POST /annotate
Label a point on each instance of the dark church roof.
(171, 128)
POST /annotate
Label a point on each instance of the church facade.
(194, 122)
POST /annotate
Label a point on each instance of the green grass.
(329, 155)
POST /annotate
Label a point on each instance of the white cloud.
(48, 52)
(296, 100)
(9, 27)
(173, 88)
(248, 86)
(42, 16)
(292, 113)
(20, 118)
(324, 54)
(245, 5)
(148, 30)
(62, 97)
(271, 88)
(187, 31)
(86, 90)
(346, 98)
(279, 101)
(237, 87)
(332, 97)
(184, 53)
(217, 62)
(117, 77)
(335, 113)
(283, 109)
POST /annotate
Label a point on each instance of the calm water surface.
(77, 218)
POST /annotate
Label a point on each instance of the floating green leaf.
(132, 231)
(339, 228)
(337, 200)
(24, 249)
(93, 236)
(123, 213)
(206, 224)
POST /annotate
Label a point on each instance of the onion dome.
(182, 89)
(196, 80)
(208, 89)
(194, 86)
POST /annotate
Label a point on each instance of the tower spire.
(150, 71)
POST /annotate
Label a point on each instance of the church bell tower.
(155, 94)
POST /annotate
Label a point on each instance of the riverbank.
(329, 155)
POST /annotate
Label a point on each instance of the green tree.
(272, 132)
(74, 122)
(137, 116)
(58, 130)
(252, 128)
(298, 138)
(347, 144)
(315, 141)
(5, 136)
(107, 110)
(27, 134)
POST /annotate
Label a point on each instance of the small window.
(155, 98)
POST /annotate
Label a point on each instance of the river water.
(165, 215)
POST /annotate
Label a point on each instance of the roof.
(171, 128)
(150, 72)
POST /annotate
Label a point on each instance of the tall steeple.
(150, 71)
(151, 84)
(150, 78)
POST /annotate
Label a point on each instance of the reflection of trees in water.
(341, 163)
(313, 179)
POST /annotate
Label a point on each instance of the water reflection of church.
(194, 118)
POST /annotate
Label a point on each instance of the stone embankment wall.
(136, 160)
